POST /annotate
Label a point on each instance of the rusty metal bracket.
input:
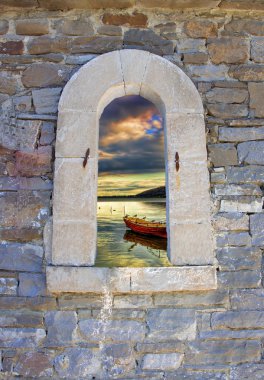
(86, 157)
(177, 161)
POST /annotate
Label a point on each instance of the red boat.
(146, 227)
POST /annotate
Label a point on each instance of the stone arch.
(83, 99)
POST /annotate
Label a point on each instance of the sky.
(131, 147)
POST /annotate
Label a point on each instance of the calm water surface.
(118, 246)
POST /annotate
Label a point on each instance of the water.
(118, 246)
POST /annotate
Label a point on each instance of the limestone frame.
(95, 85)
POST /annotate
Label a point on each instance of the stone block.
(246, 371)
(239, 258)
(117, 358)
(62, 327)
(231, 189)
(136, 19)
(11, 318)
(4, 25)
(80, 302)
(237, 239)
(194, 374)
(257, 47)
(162, 347)
(32, 303)
(247, 73)
(222, 352)
(8, 84)
(45, 75)
(23, 103)
(243, 204)
(226, 95)
(34, 164)
(8, 286)
(246, 174)
(245, 26)
(242, 5)
(228, 111)
(240, 279)
(79, 59)
(228, 134)
(201, 28)
(251, 152)
(257, 229)
(34, 364)
(29, 131)
(164, 324)
(12, 47)
(237, 320)
(189, 45)
(47, 44)
(247, 299)
(162, 362)
(195, 58)
(21, 337)
(133, 301)
(79, 361)
(222, 154)
(33, 27)
(76, 132)
(21, 257)
(228, 50)
(147, 40)
(256, 91)
(46, 100)
(110, 30)
(32, 285)
(75, 27)
(96, 44)
(47, 134)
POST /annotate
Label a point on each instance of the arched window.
(95, 85)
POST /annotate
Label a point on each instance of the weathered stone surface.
(23, 103)
(147, 40)
(44, 75)
(195, 58)
(257, 46)
(228, 111)
(222, 352)
(21, 337)
(32, 285)
(202, 28)
(21, 235)
(12, 47)
(34, 27)
(162, 362)
(117, 358)
(246, 371)
(110, 30)
(166, 324)
(222, 154)
(231, 222)
(178, 4)
(34, 164)
(8, 286)
(194, 374)
(28, 133)
(34, 303)
(245, 26)
(256, 91)
(247, 72)
(135, 19)
(228, 50)
(21, 257)
(116, 330)
(257, 229)
(242, 5)
(226, 95)
(34, 364)
(47, 134)
(24, 183)
(3, 26)
(46, 100)
(47, 44)
(77, 363)
(80, 302)
(239, 279)
(47, 240)
(238, 258)
(8, 84)
(243, 204)
(237, 190)
(251, 152)
(75, 27)
(61, 326)
(238, 239)
(188, 45)
(11, 318)
(96, 44)
(133, 301)
(247, 299)
(228, 134)
(247, 174)
(237, 320)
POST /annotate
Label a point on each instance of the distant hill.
(157, 192)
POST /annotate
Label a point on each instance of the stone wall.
(200, 335)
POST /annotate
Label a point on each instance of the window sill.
(62, 279)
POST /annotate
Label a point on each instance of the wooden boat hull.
(153, 242)
(146, 228)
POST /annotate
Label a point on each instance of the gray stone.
(162, 347)
(14, 318)
(208, 73)
(133, 301)
(242, 204)
(96, 44)
(240, 279)
(190, 45)
(8, 286)
(34, 364)
(245, 26)
(94, 329)
(21, 337)
(75, 27)
(44, 75)
(147, 40)
(28, 134)
(228, 111)
(3, 26)
(233, 334)
(189, 374)
(22, 103)
(226, 95)
(246, 174)
(222, 352)
(48, 44)
(247, 371)
(61, 326)
(218, 177)
(257, 229)
(231, 222)
(79, 59)
(116, 314)
(47, 241)
(47, 134)
(46, 100)
(110, 30)
(117, 359)
(222, 154)
(80, 302)
(227, 134)
(32, 284)
(8, 84)
(21, 257)
(233, 239)
(231, 189)
(247, 299)
(256, 91)
(237, 320)
(34, 27)
(77, 363)
(32, 303)
(238, 258)
(257, 49)
(162, 362)
(166, 324)
(251, 152)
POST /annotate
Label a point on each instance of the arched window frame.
(89, 91)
